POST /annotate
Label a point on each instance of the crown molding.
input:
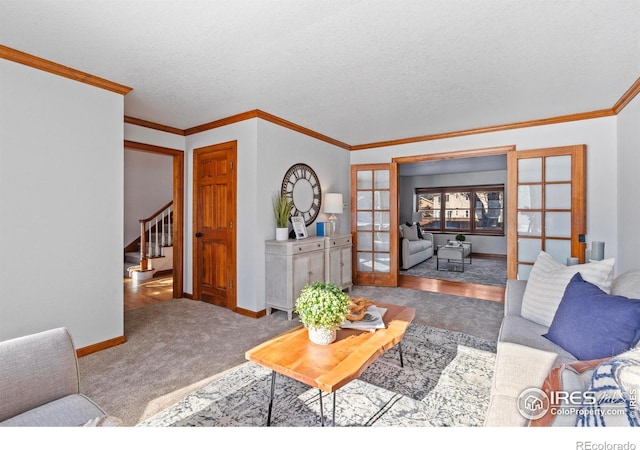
(300, 129)
(63, 71)
(256, 113)
(510, 126)
(627, 97)
(222, 122)
(153, 125)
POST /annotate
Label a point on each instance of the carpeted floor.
(175, 347)
(445, 381)
(487, 271)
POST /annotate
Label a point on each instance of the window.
(470, 209)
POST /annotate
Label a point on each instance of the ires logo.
(534, 403)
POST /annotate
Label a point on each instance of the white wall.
(278, 149)
(148, 186)
(265, 152)
(599, 135)
(629, 186)
(61, 197)
(495, 245)
(245, 133)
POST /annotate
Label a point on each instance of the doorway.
(177, 181)
(450, 171)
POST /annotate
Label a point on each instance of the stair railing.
(156, 232)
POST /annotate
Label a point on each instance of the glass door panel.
(548, 204)
(373, 189)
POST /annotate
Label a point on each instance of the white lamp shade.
(333, 203)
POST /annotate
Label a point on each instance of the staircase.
(152, 252)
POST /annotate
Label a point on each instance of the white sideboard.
(291, 265)
(338, 261)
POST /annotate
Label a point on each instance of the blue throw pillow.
(591, 324)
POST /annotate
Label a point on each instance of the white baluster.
(162, 222)
(170, 234)
(157, 243)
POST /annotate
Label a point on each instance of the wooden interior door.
(214, 215)
(374, 223)
(547, 206)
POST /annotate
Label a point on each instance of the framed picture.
(299, 227)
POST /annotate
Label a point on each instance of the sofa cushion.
(419, 246)
(70, 411)
(549, 278)
(627, 284)
(517, 330)
(591, 324)
(510, 380)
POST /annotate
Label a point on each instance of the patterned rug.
(487, 271)
(445, 381)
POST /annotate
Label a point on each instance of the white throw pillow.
(549, 278)
(410, 232)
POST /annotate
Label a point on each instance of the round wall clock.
(302, 188)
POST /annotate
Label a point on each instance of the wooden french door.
(547, 206)
(374, 224)
(214, 215)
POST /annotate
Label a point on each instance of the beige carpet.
(175, 347)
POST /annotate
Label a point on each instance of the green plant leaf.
(322, 305)
(281, 210)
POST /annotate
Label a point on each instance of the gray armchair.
(40, 383)
(413, 249)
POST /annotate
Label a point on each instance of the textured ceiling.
(356, 71)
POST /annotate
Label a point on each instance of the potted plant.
(460, 238)
(282, 211)
(322, 308)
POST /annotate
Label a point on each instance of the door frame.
(178, 208)
(456, 154)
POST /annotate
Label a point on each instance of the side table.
(455, 255)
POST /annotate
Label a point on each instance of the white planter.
(282, 234)
(321, 336)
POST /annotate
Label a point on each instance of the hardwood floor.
(138, 294)
(481, 291)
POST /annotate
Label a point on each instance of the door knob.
(198, 234)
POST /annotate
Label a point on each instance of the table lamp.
(333, 206)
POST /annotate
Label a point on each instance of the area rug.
(445, 381)
(487, 271)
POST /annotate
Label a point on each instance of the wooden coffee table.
(329, 367)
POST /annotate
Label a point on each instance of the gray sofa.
(524, 357)
(414, 250)
(40, 382)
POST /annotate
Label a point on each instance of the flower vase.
(322, 336)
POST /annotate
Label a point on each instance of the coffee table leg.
(334, 408)
(321, 411)
(400, 352)
(273, 387)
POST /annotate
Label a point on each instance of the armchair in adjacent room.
(415, 245)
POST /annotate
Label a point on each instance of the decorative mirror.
(302, 188)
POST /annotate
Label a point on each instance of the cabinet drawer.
(305, 247)
(339, 241)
